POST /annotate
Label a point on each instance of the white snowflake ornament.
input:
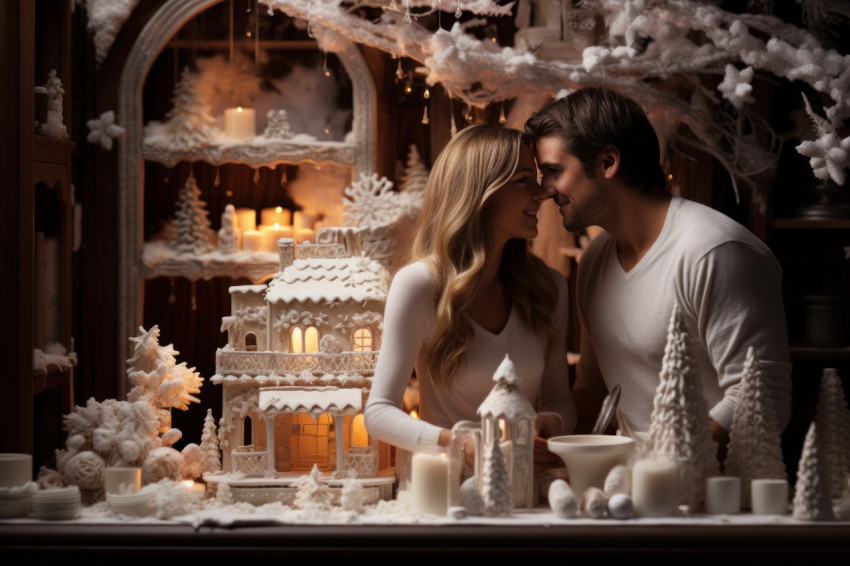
(829, 156)
(736, 87)
(104, 129)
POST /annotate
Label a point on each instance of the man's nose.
(546, 191)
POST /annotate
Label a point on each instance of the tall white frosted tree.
(680, 427)
(496, 483)
(755, 444)
(209, 445)
(190, 121)
(415, 172)
(158, 379)
(194, 235)
(833, 420)
(811, 495)
(278, 126)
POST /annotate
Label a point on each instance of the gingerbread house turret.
(308, 339)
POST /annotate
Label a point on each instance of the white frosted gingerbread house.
(298, 365)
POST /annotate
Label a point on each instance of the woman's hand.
(546, 425)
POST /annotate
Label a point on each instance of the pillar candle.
(15, 469)
(122, 479)
(723, 495)
(272, 234)
(275, 215)
(302, 220)
(240, 123)
(655, 487)
(429, 482)
(769, 497)
(253, 241)
(246, 219)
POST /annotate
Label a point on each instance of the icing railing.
(306, 251)
(267, 363)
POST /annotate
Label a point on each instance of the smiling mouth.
(529, 212)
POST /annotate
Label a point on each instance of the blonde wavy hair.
(452, 235)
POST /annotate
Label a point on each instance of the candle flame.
(239, 109)
(276, 225)
(414, 414)
(188, 483)
(279, 209)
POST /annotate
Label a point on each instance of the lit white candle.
(655, 487)
(429, 482)
(723, 495)
(253, 241)
(275, 215)
(246, 219)
(124, 480)
(303, 220)
(770, 497)
(240, 123)
(272, 234)
(195, 488)
(15, 469)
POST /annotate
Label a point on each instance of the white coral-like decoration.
(736, 87)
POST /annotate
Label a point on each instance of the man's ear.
(609, 161)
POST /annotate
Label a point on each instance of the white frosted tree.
(228, 235)
(833, 418)
(193, 233)
(811, 495)
(190, 121)
(209, 445)
(496, 483)
(312, 491)
(278, 125)
(414, 183)
(680, 428)
(755, 444)
(54, 125)
(158, 379)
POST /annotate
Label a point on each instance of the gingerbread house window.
(251, 342)
(362, 340)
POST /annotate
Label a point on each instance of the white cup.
(770, 496)
(723, 495)
(122, 480)
(15, 469)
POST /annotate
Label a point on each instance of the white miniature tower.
(680, 426)
(228, 235)
(833, 420)
(755, 445)
(507, 420)
(811, 495)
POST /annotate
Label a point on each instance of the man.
(599, 158)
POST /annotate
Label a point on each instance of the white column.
(340, 440)
(271, 471)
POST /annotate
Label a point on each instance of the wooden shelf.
(257, 267)
(814, 353)
(819, 223)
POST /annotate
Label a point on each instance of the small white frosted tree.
(755, 444)
(414, 183)
(158, 379)
(278, 125)
(312, 491)
(209, 444)
(811, 495)
(54, 125)
(194, 235)
(190, 121)
(496, 483)
(833, 420)
(228, 235)
(680, 427)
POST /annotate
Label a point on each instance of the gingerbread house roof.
(506, 399)
(313, 401)
(320, 280)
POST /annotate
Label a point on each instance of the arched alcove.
(158, 31)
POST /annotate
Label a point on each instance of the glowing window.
(296, 341)
(362, 340)
(311, 340)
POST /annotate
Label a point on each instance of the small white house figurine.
(507, 426)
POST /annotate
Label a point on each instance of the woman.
(473, 294)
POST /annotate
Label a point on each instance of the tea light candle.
(723, 495)
(655, 487)
(246, 219)
(276, 215)
(253, 241)
(122, 480)
(769, 497)
(195, 488)
(15, 469)
(429, 481)
(240, 123)
(274, 233)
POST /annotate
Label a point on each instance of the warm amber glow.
(276, 226)
(359, 436)
(239, 109)
(296, 341)
(279, 209)
(311, 340)
(414, 414)
(188, 483)
(362, 340)
(670, 177)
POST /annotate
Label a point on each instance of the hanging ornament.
(283, 176)
(458, 13)
(425, 119)
(407, 12)
(453, 128)
(468, 115)
(399, 72)
(325, 65)
(217, 180)
(171, 298)
(327, 130)
(256, 176)
(502, 118)
(407, 88)
(427, 94)
(194, 300)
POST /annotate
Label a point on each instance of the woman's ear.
(610, 161)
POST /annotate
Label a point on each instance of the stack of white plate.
(16, 501)
(56, 503)
(139, 504)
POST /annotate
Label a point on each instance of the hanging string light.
(468, 114)
(399, 72)
(502, 118)
(283, 175)
(427, 94)
(217, 180)
(407, 12)
(407, 87)
(256, 176)
(425, 119)
(458, 12)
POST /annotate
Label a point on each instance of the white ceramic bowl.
(589, 457)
